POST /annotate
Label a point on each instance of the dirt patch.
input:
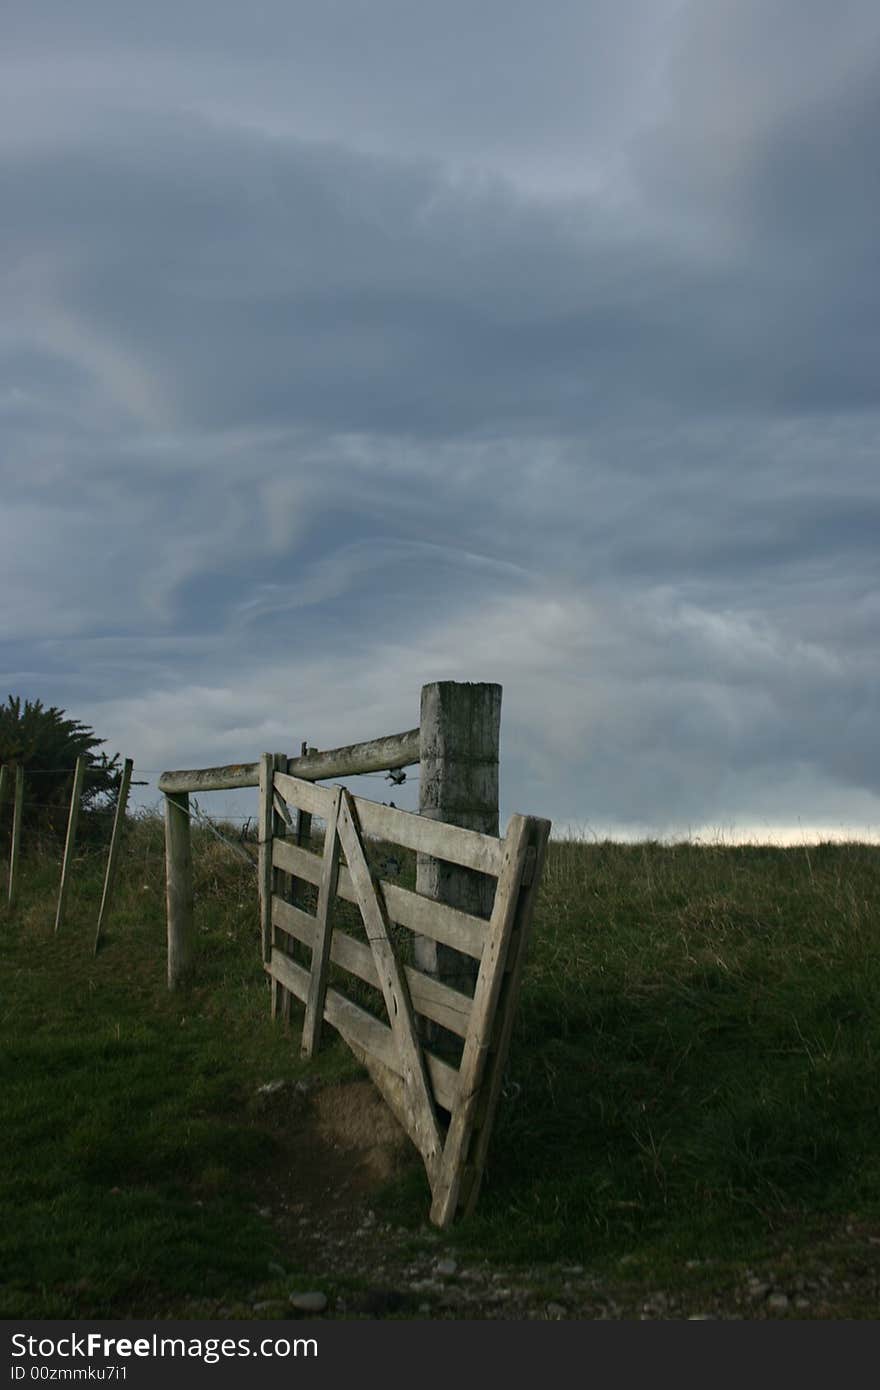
(354, 1120)
(337, 1145)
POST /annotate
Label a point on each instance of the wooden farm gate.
(447, 1110)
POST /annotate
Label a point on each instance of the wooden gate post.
(458, 783)
(179, 889)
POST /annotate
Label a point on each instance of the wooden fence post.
(113, 857)
(458, 783)
(16, 833)
(179, 890)
(4, 783)
(70, 842)
(265, 873)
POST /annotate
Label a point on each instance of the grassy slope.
(694, 1073)
(696, 1058)
(134, 1143)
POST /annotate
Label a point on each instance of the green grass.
(134, 1139)
(695, 1062)
(694, 1073)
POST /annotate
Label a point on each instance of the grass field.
(694, 1074)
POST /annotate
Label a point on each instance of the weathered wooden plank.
(423, 915)
(373, 755)
(486, 995)
(314, 800)
(423, 1126)
(322, 934)
(484, 1117)
(436, 920)
(289, 918)
(302, 835)
(271, 824)
(296, 860)
(361, 1031)
(179, 890)
(264, 852)
(70, 842)
(436, 1001)
(15, 848)
(210, 779)
(466, 847)
(113, 856)
(292, 975)
(281, 822)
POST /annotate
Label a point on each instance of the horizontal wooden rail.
(436, 1001)
(436, 837)
(448, 925)
(468, 848)
(296, 791)
(361, 1031)
(375, 755)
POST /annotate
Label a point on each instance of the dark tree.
(47, 746)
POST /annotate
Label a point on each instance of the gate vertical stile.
(474, 1152)
(279, 885)
(265, 832)
(302, 837)
(475, 1057)
(314, 1015)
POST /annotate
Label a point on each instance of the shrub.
(47, 746)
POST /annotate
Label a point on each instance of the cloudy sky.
(352, 345)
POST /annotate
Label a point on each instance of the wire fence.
(96, 828)
(217, 823)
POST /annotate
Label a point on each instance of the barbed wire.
(158, 771)
(88, 771)
(194, 812)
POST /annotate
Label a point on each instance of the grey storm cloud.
(347, 347)
(235, 280)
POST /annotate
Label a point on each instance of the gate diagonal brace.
(416, 1092)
